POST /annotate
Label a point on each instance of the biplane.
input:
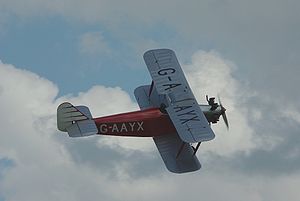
(169, 113)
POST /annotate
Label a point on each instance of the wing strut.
(197, 147)
(151, 88)
(182, 146)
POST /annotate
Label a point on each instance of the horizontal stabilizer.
(76, 120)
(82, 128)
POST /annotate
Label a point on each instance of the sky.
(90, 53)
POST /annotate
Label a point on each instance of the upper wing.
(167, 74)
(183, 108)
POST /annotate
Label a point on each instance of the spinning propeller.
(223, 112)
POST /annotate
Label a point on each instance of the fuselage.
(145, 123)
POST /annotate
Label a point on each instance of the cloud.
(291, 112)
(93, 43)
(238, 28)
(104, 101)
(210, 74)
(255, 143)
(39, 154)
(258, 159)
(61, 168)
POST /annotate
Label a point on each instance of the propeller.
(223, 112)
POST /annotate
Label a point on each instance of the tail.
(76, 120)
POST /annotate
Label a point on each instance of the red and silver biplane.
(170, 114)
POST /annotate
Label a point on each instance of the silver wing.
(190, 122)
(183, 108)
(167, 74)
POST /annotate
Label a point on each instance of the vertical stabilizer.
(76, 120)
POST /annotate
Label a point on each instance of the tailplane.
(76, 120)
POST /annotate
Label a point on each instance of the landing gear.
(195, 149)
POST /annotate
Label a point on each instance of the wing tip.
(181, 171)
(195, 139)
(156, 50)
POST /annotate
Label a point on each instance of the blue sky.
(90, 53)
(51, 48)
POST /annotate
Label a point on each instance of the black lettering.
(180, 108)
(166, 71)
(188, 113)
(183, 121)
(170, 86)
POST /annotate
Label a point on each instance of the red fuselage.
(146, 123)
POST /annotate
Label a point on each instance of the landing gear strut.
(182, 146)
(196, 149)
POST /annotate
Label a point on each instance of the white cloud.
(210, 74)
(28, 102)
(93, 43)
(290, 112)
(44, 167)
(104, 101)
(235, 27)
